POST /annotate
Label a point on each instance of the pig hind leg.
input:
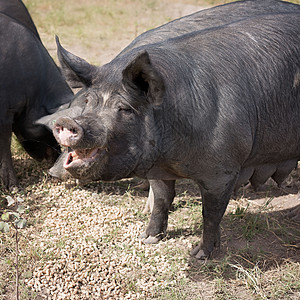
(214, 201)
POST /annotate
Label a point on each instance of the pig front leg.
(8, 175)
(214, 203)
(162, 192)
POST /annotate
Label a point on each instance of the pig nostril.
(67, 132)
(58, 129)
(73, 130)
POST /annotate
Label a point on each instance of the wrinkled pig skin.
(31, 87)
(213, 106)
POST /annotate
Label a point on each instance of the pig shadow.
(264, 240)
(119, 188)
(268, 191)
(30, 171)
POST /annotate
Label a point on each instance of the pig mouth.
(77, 158)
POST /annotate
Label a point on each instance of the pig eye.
(86, 100)
(125, 109)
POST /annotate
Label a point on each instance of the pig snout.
(67, 132)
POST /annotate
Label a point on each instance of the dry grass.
(82, 242)
(98, 30)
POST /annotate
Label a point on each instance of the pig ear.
(77, 71)
(141, 75)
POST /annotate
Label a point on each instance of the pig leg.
(144, 185)
(163, 194)
(214, 203)
(8, 175)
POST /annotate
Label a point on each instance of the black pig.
(204, 19)
(216, 106)
(32, 86)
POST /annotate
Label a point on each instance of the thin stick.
(17, 264)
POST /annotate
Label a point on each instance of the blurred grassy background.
(88, 28)
(97, 30)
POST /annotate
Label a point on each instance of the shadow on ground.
(263, 240)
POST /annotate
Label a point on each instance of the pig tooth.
(94, 152)
(84, 153)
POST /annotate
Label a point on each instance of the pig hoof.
(148, 239)
(144, 235)
(199, 253)
(15, 189)
(152, 239)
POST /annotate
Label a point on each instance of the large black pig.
(203, 19)
(219, 106)
(32, 86)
